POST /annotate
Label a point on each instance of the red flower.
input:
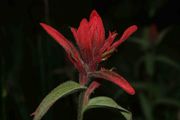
(93, 47)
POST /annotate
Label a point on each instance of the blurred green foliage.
(32, 63)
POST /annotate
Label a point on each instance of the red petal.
(74, 32)
(92, 87)
(89, 90)
(128, 32)
(98, 32)
(94, 14)
(108, 42)
(72, 52)
(78, 63)
(115, 78)
(82, 34)
(58, 37)
(84, 40)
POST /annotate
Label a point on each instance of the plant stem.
(80, 106)
(46, 10)
(82, 78)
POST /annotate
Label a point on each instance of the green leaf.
(149, 63)
(60, 91)
(146, 107)
(106, 102)
(167, 102)
(167, 61)
(142, 42)
(162, 35)
(138, 64)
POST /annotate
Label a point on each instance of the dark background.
(32, 63)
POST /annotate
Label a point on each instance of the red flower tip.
(94, 13)
(128, 32)
(132, 28)
(42, 24)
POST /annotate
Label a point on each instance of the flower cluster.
(93, 47)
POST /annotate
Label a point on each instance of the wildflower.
(93, 48)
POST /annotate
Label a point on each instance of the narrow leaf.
(57, 93)
(168, 61)
(106, 102)
(146, 107)
(167, 102)
(149, 63)
(162, 35)
(139, 41)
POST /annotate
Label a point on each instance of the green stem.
(80, 106)
(82, 78)
(46, 10)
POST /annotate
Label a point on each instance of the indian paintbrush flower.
(93, 48)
